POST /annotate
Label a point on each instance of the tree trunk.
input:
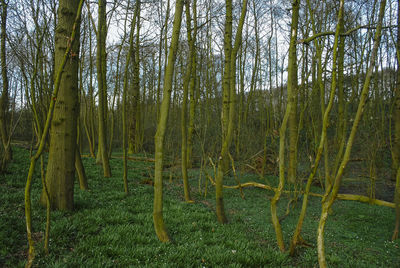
(101, 81)
(292, 89)
(396, 141)
(187, 80)
(396, 113)
(80, 170)
(4, 124)
(69, 47)
(60, 168)
(158, 220)
(330, 197)
(229, 101)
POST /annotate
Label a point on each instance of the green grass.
(109, 229)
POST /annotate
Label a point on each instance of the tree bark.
(4, 124)
(60, 173)
(330, 197)
(158, 220)
(292, 85)
(229, 101)
(101, 81)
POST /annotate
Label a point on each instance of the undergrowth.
(109, 229)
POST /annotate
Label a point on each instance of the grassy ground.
(109, 229)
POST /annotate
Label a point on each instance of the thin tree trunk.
(80, 170)
(329, 199)
(192, 86)
(159, 225)
(396, 141)
(291, 89)
(186, 82)
(101, 73)
(229, 101)
(124, 104)
(4, 94)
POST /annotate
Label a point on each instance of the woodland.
(200, 133)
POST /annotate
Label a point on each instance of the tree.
(396, 140)
(291, 90)
(124, 99)
(4, 102)
(228, 101)
(101, 65)
(189, 78)
(158, 220)
(68, 23)
(60, 173)
(331, 195)
(134, 130)
(325, 120)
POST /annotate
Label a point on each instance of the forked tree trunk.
(330, 197)
(292, 75)
(229, 102)
(296, 239)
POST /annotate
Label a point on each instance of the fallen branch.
(349, 197)
(137, 158)
(365, 199)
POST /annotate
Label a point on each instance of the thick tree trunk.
(60, 168)
(69, 46)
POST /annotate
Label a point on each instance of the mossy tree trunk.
(134, 130)
(124, 102)
(396, 140)
(330, 197)
(4, 124)
(396, 112)
(192, 86)
(296, 239)
(228, 101)
(291, 89)
(80, 170)
(69, 47)
(294, 91)
(158, 220)
(102, 86)
(397, 206)
(188, 79)
(60, 168)
(88, 119)
(341, 126)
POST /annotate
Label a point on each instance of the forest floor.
(109, 229)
